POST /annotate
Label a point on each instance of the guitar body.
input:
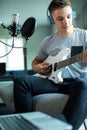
(55, 75)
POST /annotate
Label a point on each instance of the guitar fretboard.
(69, 61)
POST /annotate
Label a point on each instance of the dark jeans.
(75, 109)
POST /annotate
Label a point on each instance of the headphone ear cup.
(49, 18)
(73, 14)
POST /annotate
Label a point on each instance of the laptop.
(32, 121)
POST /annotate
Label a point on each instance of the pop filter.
(28, 28)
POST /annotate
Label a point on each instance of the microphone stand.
(25, 60)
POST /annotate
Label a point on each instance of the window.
(14, 60)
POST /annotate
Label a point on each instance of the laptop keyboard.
(16, 123)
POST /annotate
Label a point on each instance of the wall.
(78, 7)
(35, 40)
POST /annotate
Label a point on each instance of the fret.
(69, 61)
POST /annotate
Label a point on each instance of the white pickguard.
(55, 76)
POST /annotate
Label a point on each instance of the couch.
(48, 103)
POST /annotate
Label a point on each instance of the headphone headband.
(50, 19)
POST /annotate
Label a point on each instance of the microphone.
(26, 30)
(14, 28)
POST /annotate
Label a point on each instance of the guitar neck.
(69, 61)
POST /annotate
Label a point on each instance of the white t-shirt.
(53, 44)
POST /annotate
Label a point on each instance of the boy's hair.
(55, 4)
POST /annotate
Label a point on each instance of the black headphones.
(50, 19)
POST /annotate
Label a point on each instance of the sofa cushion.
(6, 93)
(48, 103)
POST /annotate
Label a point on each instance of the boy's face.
(63, 19)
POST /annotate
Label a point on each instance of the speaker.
(50, 19)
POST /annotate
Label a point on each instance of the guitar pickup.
(55, 66)
(50, 68)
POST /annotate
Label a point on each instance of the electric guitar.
(56, 67)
